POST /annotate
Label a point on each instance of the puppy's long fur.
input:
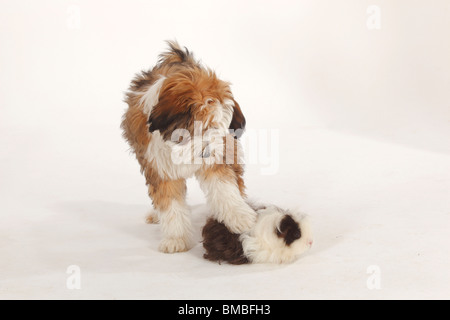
(181, 95)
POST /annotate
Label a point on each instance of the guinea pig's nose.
(310, 242)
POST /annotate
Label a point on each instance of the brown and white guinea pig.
(279, 236)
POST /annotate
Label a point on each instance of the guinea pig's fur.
(279, 236)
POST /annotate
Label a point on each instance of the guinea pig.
(279, 236)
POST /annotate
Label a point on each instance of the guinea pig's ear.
(289, 230)
(237, 125)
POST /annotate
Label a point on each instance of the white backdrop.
(363, 116)
(315, 60)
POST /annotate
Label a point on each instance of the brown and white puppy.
(279, 236)
(170, 108)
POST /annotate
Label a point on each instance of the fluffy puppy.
(279, 236)
(172, 109)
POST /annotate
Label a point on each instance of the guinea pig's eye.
(210, 102)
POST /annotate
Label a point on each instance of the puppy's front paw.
(172, 245)
(240, 221)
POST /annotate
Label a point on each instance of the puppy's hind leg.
(152, 217)
(169, 199)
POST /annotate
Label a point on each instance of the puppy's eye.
(210, 102)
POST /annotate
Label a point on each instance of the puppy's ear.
(167, 119)
(237, 125)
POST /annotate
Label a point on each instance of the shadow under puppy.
(279, 236)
